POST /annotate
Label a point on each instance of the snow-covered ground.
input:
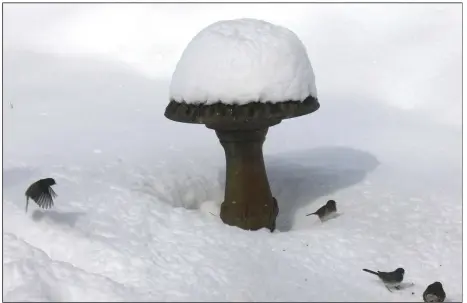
(136, 193)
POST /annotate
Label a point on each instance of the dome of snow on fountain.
(240, 77)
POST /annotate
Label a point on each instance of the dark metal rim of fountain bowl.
(250, 113)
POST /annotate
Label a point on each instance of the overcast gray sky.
(408, 56)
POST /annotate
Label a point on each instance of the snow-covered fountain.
(240, 77)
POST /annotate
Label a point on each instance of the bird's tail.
(370, 271)
(311, 214)
(27, 202)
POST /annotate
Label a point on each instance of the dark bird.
(324, 211)
(434, 293)
(42, 193)
(391, 278)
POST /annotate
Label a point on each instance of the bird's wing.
(52, 193)
(321, 209)
(45, 201)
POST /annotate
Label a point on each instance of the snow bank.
(139, 222)
(243, 60)
(34, 276)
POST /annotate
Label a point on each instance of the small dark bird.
(42, 193)
(434, 293)
(324, 211)
(390, 279)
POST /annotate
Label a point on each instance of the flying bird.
(326, 210)
(391, 278)
(434, 293)
(42, 193)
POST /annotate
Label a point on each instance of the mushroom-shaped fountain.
(240, 77)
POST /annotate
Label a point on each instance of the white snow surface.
(241, 61)
(138, 220)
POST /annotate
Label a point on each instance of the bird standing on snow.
(434, 293)
(324, 211)
(390, 279)
(42, 193)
